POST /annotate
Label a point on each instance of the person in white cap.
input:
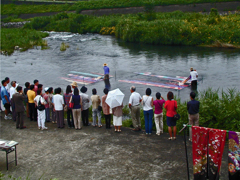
(47, 110)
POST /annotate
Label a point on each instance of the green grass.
(24, 38)
(175, 28)
(94, 4)
(218, 109)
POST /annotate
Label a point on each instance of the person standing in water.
(193, 77)
(106, 76)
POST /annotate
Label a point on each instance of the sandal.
(115, 130)
(119, 130)
(174, 138)
(170, 138)
(100, 126)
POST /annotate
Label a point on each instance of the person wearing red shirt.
(171, 106)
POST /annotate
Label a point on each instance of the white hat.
(46, 89)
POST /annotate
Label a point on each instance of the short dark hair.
(158, 95)
(39, 92)
(68, 89)
(35, 81)
(193, 95)
(133, 88)
(148, 91)
(3, 81)
(19, 88)
(27, 84)
(6, 78)
(50, 89)
(170, 95)
(105, 90)
(76, 91)
(40, 86)
(59, 90)
(94, 91)
(32, 86)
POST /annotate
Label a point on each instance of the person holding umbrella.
(115, 101)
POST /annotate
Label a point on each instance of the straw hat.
(74, 84)
(105, 64)
(191, 69)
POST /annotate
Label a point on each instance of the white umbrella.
(115, 98)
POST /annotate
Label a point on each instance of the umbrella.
(115, 98)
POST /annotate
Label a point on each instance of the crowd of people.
(51, 105)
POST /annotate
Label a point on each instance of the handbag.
(71, 104)
(100, 108)
(176, 117)
(40, 106)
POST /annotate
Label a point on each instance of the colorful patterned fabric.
(234, 156)
(215, 151)
(207, 146)
(200, 150)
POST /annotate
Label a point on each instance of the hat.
(46, 89)
(83, 89)
(74, 84)
(191, 69)
(105, 64)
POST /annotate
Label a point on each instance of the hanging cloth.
(215, 151)
(200, 152)
(234, 156)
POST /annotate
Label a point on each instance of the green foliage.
(24, 38)
(93, 4)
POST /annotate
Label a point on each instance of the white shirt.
(42, 100)
(58, 102)
(147, 102)
(134, 99)
(193, 75)
(7, 88)
(12, 91)
(85, 101)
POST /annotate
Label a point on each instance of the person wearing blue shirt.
(106, 76)
(193, 113)
(5, 99)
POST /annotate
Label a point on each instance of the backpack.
(40, 106)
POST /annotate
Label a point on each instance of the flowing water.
(219, 68)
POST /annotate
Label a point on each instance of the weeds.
(64, 46)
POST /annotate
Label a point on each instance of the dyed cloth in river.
(215, 152)
(207, 146)
(234, 156)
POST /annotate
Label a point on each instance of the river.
(218, 67)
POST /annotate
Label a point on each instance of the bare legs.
(117, 128)
(174, 131)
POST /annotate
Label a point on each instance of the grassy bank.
(175, 28)
(24, 38)
(93, 4)
(216, 111)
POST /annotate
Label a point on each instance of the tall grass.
(218, 109)
(94, 4)
(175, 28)
(24, 38)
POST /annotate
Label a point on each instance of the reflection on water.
(87, 53)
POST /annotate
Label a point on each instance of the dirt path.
(95, 153)
(204, 7)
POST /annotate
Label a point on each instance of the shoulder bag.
(40, 106)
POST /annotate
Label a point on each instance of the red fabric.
(170, 107)
(199, 147)
(207, 145)
(215, 150)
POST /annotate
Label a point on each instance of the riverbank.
(95, 153)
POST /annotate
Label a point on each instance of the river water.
(218, 67)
